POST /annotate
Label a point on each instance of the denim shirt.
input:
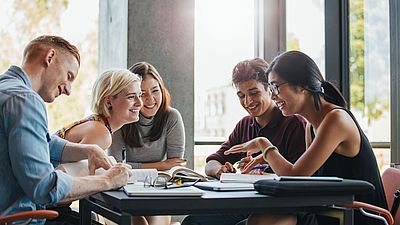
(28, 154)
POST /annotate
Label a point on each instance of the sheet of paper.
(80, 168)
(139, 175)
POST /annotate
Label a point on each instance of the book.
(182, 172)
(186, 174)
(80, 168)
(245, 178)
(139, 189)
(219, 186)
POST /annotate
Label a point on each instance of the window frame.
(270, 21)
(394, 18)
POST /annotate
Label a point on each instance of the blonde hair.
(110, 83)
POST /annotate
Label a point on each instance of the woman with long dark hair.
(157, 140)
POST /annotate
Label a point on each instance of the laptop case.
(312, 188)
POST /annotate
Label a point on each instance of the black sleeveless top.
(363, 166)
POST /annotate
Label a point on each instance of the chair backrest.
(28, 216)
(391, 183)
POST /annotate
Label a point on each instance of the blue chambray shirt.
(28, 154)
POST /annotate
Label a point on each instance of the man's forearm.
(74, 152)
(85, 186)
(115, 177)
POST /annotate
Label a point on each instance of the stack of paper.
(245, 178)
(218, 186)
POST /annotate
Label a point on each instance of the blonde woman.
(116, 101)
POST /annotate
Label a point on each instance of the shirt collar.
(276, 119)
(145, 121)
(21, 74)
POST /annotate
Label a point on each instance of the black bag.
(313, 188)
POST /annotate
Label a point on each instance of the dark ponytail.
(332, 94)
(300, 70)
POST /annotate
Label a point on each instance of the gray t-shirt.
(171, 144)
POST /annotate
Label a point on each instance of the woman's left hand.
(258, 160)
(251, 147)
(169, 163)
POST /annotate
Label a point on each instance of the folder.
(138, 189)
(218, 186)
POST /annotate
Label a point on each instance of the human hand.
(169, 163)
(244, 161)
(226, 168)
(61, 167)
(253, 146)
(97, 158)
(118, 175)
(259, 160)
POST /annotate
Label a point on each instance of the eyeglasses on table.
(162, 182)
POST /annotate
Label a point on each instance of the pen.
(238, 163)
(123, 154)
(265, 166)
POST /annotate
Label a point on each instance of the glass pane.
(224, 35)
(305, 29)
(26, 20)
(370, 71)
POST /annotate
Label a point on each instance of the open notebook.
(138, 189)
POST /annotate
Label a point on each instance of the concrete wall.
(113, 34)
(160, 32)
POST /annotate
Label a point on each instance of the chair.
(391, 185)
(27, 217)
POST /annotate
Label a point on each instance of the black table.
(117, 206)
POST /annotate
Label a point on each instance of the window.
(370, 73)
(224, 35)
(305, 29)
(24, 21)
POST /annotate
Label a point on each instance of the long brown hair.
(130, 132)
